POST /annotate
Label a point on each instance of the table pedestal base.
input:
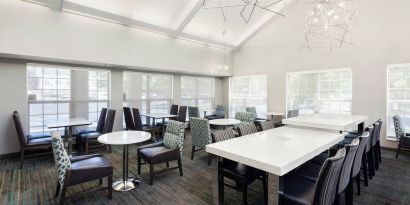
(127, 185)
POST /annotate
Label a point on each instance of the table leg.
(204, 114)
(215, 191)
(273, 188)
(125, 184)
(70, 143)
(163, 126)
(65, 136)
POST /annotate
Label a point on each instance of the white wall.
(382, 36)
(29, 29)
(13, 86)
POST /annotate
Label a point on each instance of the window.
(48, 96)
(151, 93)
(247, 91)
(328, 91)
(98, 94)
(197, 92)
(398, 96)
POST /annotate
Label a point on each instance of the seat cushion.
(86, 131)
(92, 135)
(235, 170)
(309, 171)
(296, 190)
(89, 169)
(39, 141)
(159, 154)
(38, 135)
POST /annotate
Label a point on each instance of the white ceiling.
(189, 19)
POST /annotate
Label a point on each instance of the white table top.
(124, 137)
(224, 122)
(208, 110)
(158, 115)
(278, 150)
(327, 121)
(275, 113)
(70, 123)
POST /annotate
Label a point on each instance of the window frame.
(98, 102)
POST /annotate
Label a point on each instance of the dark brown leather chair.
(100, 123)
(79, 169)
(88, 138)
(174, 111)
(129, 121)
(26, 142)
(182, 114)
(165, 151)
(154, 130)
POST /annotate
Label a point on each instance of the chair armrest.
(156, 144)
(83, 157)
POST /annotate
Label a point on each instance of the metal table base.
(126, 183)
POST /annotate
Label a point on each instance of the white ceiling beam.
(252, 30)
(206, 41)
(57, 5)
(186, 17)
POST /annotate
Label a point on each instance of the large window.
(98, 93)
(198, 92)
(398, 96)
(48, 95)
(247, 91)
(327, 91)
(151, 93)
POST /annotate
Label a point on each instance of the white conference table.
(328, 122)
(68, 129)
(224, 122)
(124, 138)
(276, 151)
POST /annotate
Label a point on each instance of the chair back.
(220, 111)
(245, 117)
(293, 113)
(109, 122)
(174, 110)
(101, 120)
(129, 121)
(200, 131)
(267, 125)
(371, 130)
(246, 129)
(398, 127)
(174, 135)
(252, 110)
(326, 185)
(182, 114)
(193, 112)
(19, 129)
(380, 129)
(223, 135)
(375, 133)
(137, 119)
(61, 158)
(346, 173)
(359, 154)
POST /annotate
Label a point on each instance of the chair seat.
(92, 135)
(38, 135)
(86, 131)
(309, 171)
(87, 169)
(159, 154)
(39, 141)
(296, 190)
(235, 170)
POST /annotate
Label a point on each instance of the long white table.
(276, 151)
(328, 122)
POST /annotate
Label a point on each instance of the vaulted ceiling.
(198, 20)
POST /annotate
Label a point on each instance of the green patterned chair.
(201, 135)
(401, 135)
(170, 149)
(76, 170)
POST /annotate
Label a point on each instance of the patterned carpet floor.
(36, 182)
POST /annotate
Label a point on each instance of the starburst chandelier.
(329, 24)
(247, 7)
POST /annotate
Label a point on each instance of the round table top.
(224, 122)
(124, 137)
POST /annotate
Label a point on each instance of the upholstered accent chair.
(219, 113)
(201, 135)
(79, 169)
(91, 138)
(129, 120)
(293, 113)
(27, 142)
(170, 149)
(402, 137)
(298, 190)
(154, 130)
(267, 125)
(358, 161)
(193, 112)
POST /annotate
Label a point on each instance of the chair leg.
(167, 163)
(21, 158)
(379, 151)
(109, 148)
(180, 167)
(358, 183)
(376, 158)
(265, 188)
(337, 199)
(365, 169)
(109, 187)
(370, 163)
(192, 152)
(100, 181)
(209, 159)
(57, 188)
(151, 174)
(139, 163)
(398, 151)
(221, 192)
(244, 194)
(86, 145)
(62, 195)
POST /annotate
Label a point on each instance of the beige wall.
(382, 37)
